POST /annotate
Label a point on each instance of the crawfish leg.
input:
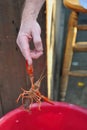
(31, 102)
(39, 105)
(19, 98)
(37, 99)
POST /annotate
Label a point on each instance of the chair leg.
(73, 19)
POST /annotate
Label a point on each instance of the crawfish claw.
(47, 100)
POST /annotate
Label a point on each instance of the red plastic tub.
(60, 116)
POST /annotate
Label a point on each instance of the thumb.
(37, 40)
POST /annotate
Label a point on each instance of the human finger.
(36, 54)
(23, 43)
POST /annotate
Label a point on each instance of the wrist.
(27, 24)
(28, 20)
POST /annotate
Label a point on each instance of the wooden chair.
(71, 45)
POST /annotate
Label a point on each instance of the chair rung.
(81, 27)
(80, 46)
(78, 73)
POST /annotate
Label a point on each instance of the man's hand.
(27, 32)
(30, 29)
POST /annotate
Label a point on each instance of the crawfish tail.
(29, 69)
(30, 72)
(47, 100)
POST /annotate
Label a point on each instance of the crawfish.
(33, 94)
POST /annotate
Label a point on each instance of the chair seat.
(74, 5)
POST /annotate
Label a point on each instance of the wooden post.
(51, 8)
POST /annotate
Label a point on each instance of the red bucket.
(60, 116)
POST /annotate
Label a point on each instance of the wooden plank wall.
(12, 64)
